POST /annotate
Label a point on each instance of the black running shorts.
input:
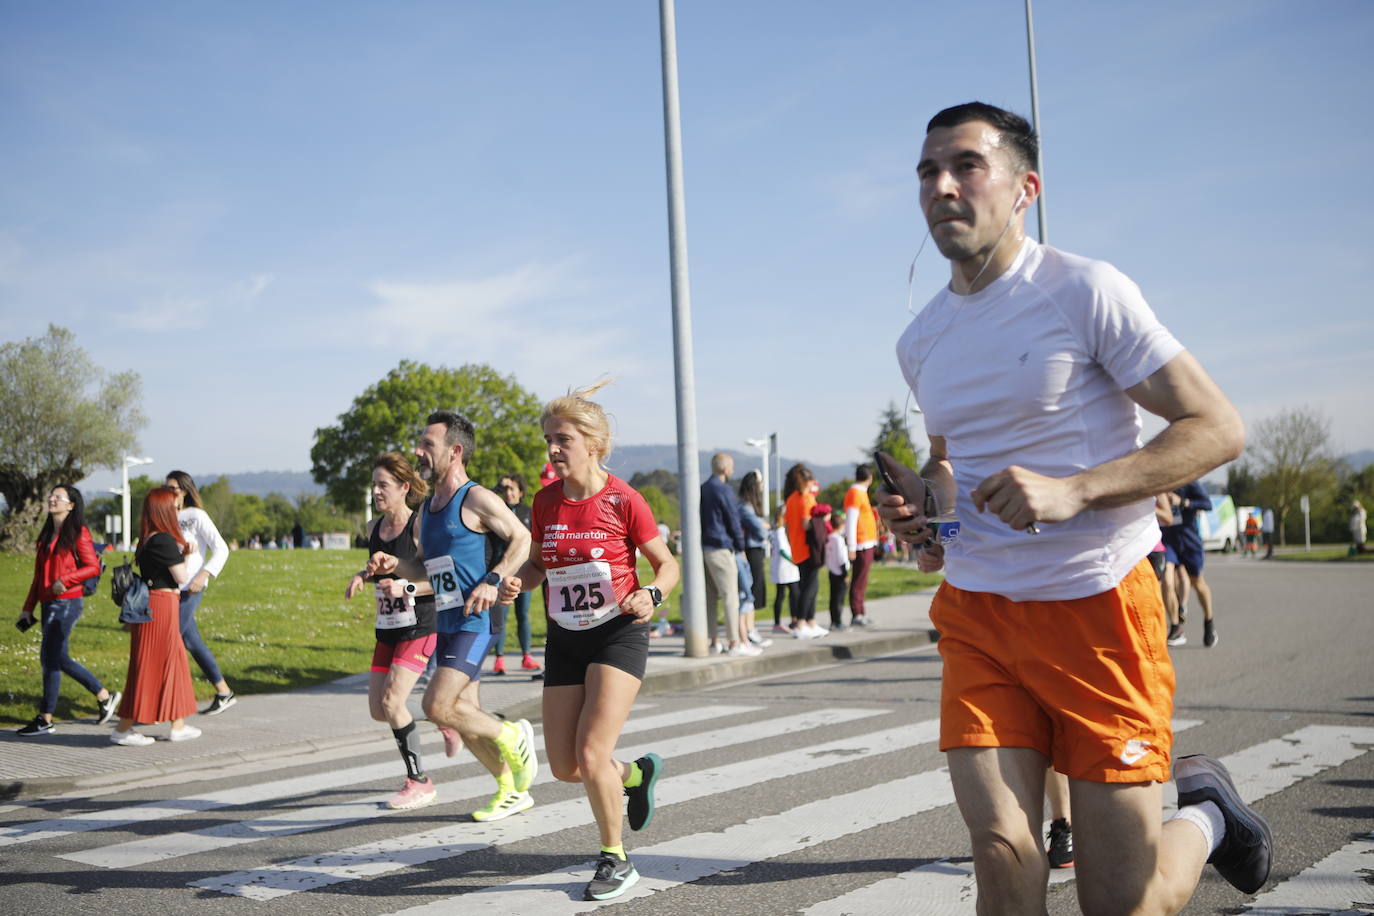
(623, 643)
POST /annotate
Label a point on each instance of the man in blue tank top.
(454, 524)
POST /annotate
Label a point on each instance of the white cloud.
(170, 314)
(255, 285)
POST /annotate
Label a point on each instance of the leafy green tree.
(663, 479)
(389, 415)
(664, 507)
(318, 515)
(249, 518)
(218, 497)
(1291, 453)
(1241, 484)
(833, 495)
(281, 515)
(894, 437)
(61, 417)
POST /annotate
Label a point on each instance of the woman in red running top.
(586, 527)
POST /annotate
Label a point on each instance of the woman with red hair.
(158, 686)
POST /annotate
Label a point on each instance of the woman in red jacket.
(66, 558)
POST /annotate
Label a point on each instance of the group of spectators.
(806, 536)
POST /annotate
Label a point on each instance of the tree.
(664, 507)
(61, 416)
(389, 415)
(894, 437)
(1291, 456)
(1241, 484)
(833, 495)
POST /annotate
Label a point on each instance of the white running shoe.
(744, 649)
(762, 642)
(130, 738)
(185, 733)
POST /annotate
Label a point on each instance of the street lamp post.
(762, 445)
(129, 461)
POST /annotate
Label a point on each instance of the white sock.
(1206, 817)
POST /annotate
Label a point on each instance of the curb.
(707, 673)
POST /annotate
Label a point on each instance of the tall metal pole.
(1035, 123)
(689, 475)
(125, 515)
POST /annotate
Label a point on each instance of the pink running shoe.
(413, 794)
(452, 742)
(529, 664)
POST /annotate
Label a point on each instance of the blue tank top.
(443, 533)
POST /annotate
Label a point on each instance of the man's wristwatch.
(492, 578)
(655, 595)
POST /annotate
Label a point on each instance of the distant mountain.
(1358, 461)
(259, 483)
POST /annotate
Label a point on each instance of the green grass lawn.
(276, 620)
(1322, 553)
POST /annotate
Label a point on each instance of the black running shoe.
(1209, 634)
(614, 876)
(39, 726)
(1061, 844)
(1246, 851)
(220, 703)
(108, 707)
(640, 808)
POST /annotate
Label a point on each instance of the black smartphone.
(906, 483)
(23, 623)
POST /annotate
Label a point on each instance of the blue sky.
(263, 207)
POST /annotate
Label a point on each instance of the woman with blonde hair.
(405, 626)
(586, 527)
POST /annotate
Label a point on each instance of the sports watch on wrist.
(655, 595)
(492, 578)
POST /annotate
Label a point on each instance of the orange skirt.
(158, 687)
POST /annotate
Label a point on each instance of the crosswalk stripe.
(286, 823)
(1339, 883)
(287, 788)
(663, 866)
(947, 888)
(372, 859)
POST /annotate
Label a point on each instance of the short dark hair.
(862, 473)
(459, 431)
(1018, 137)
(516, 478)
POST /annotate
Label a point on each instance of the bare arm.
(495, 516)
(1204, 432)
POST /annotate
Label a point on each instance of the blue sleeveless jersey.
(443, 532)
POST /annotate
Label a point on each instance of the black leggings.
(809, 588)
(788, 589)
(754, 556)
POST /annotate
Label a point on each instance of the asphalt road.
(816, 792)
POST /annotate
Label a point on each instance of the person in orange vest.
(1252, 534)
(861, 536)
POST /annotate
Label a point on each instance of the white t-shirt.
(209, 551)
(1031, 371)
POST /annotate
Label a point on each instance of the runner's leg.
(610, 693)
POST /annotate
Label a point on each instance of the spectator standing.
(511, 488)
(66, 558)
(1359, 520)
(158, 685)
(837, 565)
(799, 498)
(861, 537)
(785, 575)
(755, 550)
(721, 539)
(1267, 529)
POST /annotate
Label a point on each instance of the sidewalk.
(79, 756)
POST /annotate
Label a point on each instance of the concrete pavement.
(79, 757)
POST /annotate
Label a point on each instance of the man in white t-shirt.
(1029, 367)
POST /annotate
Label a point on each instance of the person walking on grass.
(204, 562)
(404, 628)
(65, 560)
(455, 522)
(587, 526)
